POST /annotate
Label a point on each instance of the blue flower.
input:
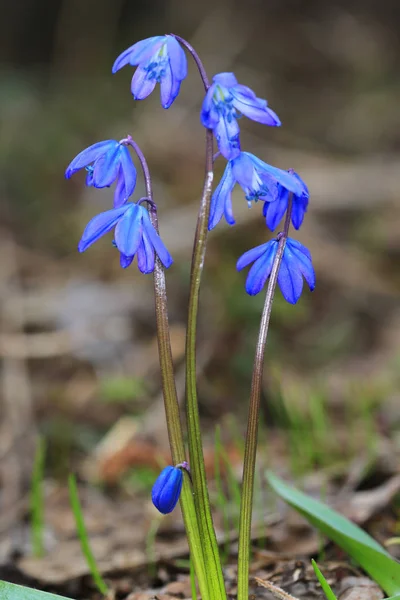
(225, 101)
(167, 489)
(106, 162)
(259, 181)
(296, 264)
(134, 235)
(159, 59)
(274, 211)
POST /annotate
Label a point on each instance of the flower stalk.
(250, 453)
(201, 498)
(171, 403)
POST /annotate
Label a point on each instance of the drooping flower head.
(274, 211)
(296, 264)
(106, 162)
(134, 235)
(259, 180)
(225, 101)
(159, 59)
(167, 489)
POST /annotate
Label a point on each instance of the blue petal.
(145, 255)
(221, 197)
(166, 88)
(274, 211)
(139, 52)
(125, 261)
(88, 156)
(155, 240)
(306, 269)
(290, 279)
(296, 246)
(176, 86)
(287, 180)
(128, 170)
(226, 79)
(166, 489)
(244, 172)
(128, 232)
(120, 190)
(261, 269)
(251, 255)
(254, 108)
(141, 85)
(177, 58)
(305, 192)
(301, 258)
(227, 135)
(209, 115)
(106, 167)
(299, 210)
(228, 210)
(99, 225)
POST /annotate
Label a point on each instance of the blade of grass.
(83, 536)
(150, 547)
(372, 557)
(36, 500)
(11, 591)
(323, 582)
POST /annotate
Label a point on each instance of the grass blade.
(36, 500)
(83, 536)
(323, 582)
(372, 557)
(11, 591)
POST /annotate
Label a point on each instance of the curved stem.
(196, 58)
(250, 453)
(171, 403)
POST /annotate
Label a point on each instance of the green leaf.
(324, 584)
(372, 557)
(83, 536)
(10, 591)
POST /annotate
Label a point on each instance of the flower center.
(157, 66)
(223, 102)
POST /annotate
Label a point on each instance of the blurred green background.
(77, 336)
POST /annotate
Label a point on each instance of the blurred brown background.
(77, 341)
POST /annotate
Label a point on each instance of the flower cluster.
(226, 100)
(105, 163)
(161, 59)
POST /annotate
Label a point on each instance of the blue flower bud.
(167, 489)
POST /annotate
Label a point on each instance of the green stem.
(171, 403)
(250, 451)
(202, 501)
